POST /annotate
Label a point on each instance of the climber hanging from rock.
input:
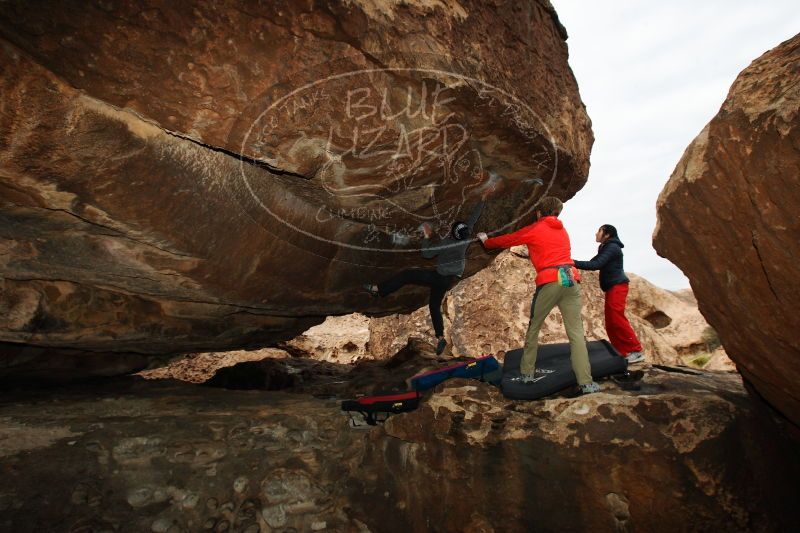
(450, 253)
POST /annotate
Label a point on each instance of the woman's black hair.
(609, 230)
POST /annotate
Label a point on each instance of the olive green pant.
(568, 300)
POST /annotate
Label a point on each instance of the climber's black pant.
(438, 283)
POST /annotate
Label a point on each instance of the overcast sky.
(652, 74)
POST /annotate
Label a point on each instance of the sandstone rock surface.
(178, 177)
(200, 367)
(340, 339)
(685, 453)
(728, 217)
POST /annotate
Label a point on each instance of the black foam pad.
(554, 369)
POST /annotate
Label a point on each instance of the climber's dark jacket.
(609, 262)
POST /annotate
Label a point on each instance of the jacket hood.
(553, 222)
(615, 241)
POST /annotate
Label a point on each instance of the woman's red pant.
(620, 332)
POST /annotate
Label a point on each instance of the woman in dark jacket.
(614, 283)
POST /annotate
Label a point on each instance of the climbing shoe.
(590, 388)
(635, 357)
(441, 346)
(539, 373)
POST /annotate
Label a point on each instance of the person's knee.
(572, 321)
(533, 331)
(576, 334)
(538, 316)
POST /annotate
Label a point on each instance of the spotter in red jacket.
(548, 247)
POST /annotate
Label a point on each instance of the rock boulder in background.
(729, 218)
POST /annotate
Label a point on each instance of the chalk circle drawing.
(400, 148)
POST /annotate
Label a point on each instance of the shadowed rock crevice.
(323, 378)
(241, 158)
(659, 319)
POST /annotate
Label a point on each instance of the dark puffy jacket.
(609, 262)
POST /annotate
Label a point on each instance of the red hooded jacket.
(548, 246)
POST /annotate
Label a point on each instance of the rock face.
(206, 176)
(200, 367)
(606, 462)
(729, 219)
(160, 456)
(21, 363)
(340, 339)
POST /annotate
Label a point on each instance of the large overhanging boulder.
(729, 219)
(184, 176)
